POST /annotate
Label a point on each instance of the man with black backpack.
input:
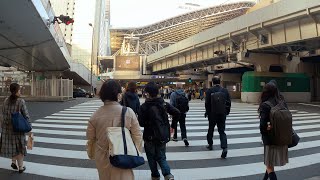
(179, 100)
(154, 118)
(218, 106)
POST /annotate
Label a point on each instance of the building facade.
(86, 42)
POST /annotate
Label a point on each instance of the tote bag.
(122, 150)
(19, 122)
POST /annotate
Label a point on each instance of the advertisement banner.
(127, 63)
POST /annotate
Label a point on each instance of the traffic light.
(63, 19)
(99, 78)
(190, 80)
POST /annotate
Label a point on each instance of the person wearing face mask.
(13, 144)
(153, 116)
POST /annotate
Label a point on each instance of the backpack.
(182, 103)
(218, 103)
(160, 123)
(281, 124)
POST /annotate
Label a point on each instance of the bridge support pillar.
(294, 86)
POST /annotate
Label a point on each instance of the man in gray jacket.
(179, 100)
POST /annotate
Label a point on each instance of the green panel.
(251, 81)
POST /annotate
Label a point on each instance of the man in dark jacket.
(155, 150)
(182, 119)
(217, 119)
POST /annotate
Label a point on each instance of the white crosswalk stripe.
(62, 136)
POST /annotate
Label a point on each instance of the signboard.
(128, 63)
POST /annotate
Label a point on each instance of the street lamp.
(90, 24)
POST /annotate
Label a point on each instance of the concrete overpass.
(30, 43)
(282, 34)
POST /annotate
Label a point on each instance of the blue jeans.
(156, 153)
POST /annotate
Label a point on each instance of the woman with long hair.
(13, 144)
(274, 155)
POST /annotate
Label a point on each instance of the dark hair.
(152, 88)
(14, 88)
(216, 80)
(132, 87)
(110, 90)
(270, 90)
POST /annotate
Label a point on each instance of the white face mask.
(119, 97)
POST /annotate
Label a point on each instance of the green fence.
(287, 82)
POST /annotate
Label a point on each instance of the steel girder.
(183, 26)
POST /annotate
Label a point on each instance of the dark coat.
(131, 100)
(264, 111)
(144, 117)
(214, 89)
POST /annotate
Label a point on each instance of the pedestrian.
(95, 91)
(189, 94)
(109, 115)
(218, 106)
(130, 98)
(162, 92)
(13, 144)
(201, 94)
(179, 100)
(154, 118)
(274, 155)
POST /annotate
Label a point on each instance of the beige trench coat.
(109, 115)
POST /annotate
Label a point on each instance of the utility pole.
(92, 56)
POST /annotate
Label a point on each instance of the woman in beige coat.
(109, 115)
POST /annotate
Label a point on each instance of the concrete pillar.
(290, 66)
(262, 62)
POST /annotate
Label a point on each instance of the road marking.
(171, 144)
(314, 105)
(173, 156)
(180, 174)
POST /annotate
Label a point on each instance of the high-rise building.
(87, 41)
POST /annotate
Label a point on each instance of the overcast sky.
(136, 13)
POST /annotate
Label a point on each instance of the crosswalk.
(60, 145)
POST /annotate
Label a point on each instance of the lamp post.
(90, 24)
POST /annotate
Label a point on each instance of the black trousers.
(182, 122)
(220, 121)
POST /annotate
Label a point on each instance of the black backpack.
(182, 103)
(160, 123)
(218, 103)
(281, 123)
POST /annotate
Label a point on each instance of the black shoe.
(22, 169)
(272, 176)
(14, 166)
(266, 176)
(174, 139)
(209, 147)
(186, 143)
(224, 153)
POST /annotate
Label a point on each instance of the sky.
(137, 13)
